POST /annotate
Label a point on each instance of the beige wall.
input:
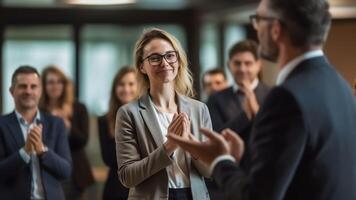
(341, 48)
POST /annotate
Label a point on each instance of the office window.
(105, 49)
(209, 47)
(37, 46)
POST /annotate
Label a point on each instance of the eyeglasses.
(255, 19)
(156, 59)
(54, 82)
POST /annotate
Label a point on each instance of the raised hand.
(250, 103)
(35, 137)
(174, 128)
(186, 124)
(206, 151)
(236, 144)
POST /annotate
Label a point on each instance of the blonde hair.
(183, 82)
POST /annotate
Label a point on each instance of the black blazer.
(78, 138)
(303, 143)
(15, 174)
(113, 189)
(226, 109)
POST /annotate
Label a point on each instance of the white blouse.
(178, 172)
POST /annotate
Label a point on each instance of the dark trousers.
(180, 194)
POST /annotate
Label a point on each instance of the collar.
(290, 66)
(23, 121)
(235, 87)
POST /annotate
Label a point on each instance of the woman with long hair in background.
(58, 99)
(123, 91)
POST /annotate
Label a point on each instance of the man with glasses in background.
(303, 142)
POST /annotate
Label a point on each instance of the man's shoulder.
(50, 119)
(5, 119)
(223, 94)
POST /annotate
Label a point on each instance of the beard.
(268, 49)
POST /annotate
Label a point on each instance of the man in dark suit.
(34, 152)
(236, 106)
(303, 141)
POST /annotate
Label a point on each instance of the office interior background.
(89, 41)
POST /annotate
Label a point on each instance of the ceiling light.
(101, 2)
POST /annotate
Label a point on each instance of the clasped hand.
(34, 140)
(180, 126)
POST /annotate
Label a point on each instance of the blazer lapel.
(183, 107)
(148, 115)
(44, 128)
(16, 131)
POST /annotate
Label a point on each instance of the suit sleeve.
(278, 142)
(9, 164)
(132, 167)
(79, 132)
(57, 161)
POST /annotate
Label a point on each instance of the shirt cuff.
(24, 156)
(218, 159)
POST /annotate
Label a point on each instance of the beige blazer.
(141, 157)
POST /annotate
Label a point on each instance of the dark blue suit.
(303, 142)
(15, 174)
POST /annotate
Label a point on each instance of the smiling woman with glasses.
(152, 166)
(156, 59)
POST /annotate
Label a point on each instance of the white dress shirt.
(37, 191)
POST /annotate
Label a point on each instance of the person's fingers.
(180, 129)
(210, 134)
(185, 115)
(237, 145)
(175, 116)
(186, 125)
(33, 141)
(193, 147)
(175, 123)
(232, 136)
(178, 121)
(37, 130)
(192, 137)
(35, 136)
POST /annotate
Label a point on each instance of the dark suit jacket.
(15, 174)
(303, 143)
(78, 138)
(113, 188)
(227, 112)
